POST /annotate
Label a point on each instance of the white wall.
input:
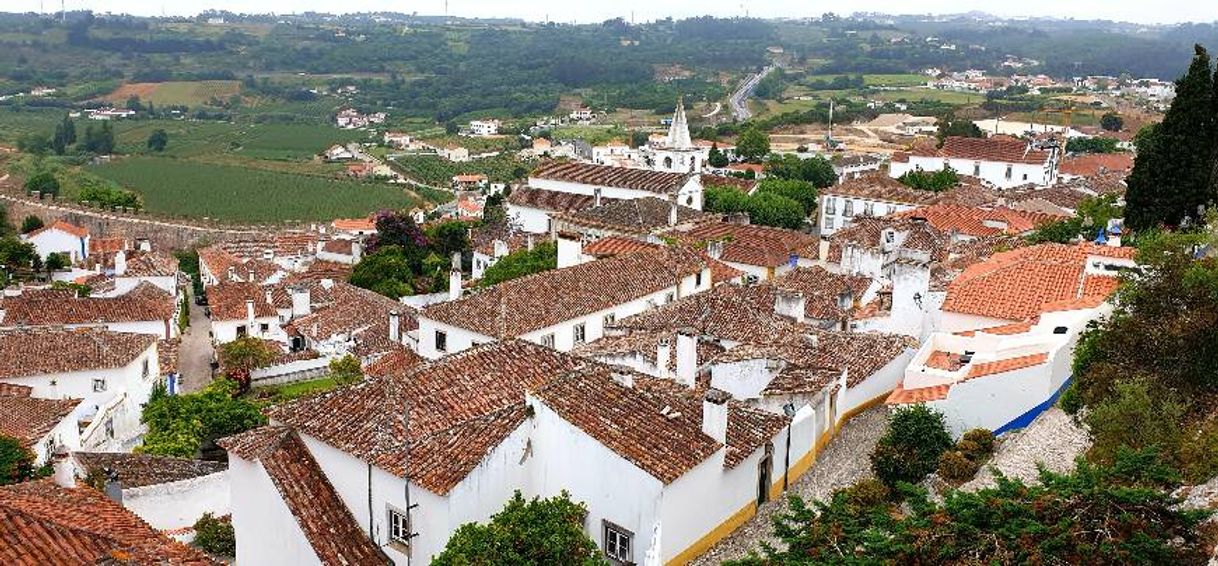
(66, 433)
(957, 322)
(224, 331)
(833, 208)
(993, 172)
(529, 219)
(179, 504)
(53, 240)
(267, 532)
(879, 383)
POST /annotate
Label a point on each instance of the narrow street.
(844, 461)
(194, 358)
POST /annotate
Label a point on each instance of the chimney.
(528, 240)
(687, 358)
(672, 213)
(268, 254)
(714, 415)
(623, 378)
(270, 300)
(792, 305)
(715, 249)
(357, 250)
(250, 272)
(454, 278)
(664, 358)
(249, 309)
(143, 245)
(120, 263)
(302, 301)
(319, 246)
(499, 248)
(395, 328)
(596, 194)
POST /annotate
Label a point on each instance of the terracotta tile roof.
(544, 299)
(397, 361)
(822, 289)
(47, 351)
(1002, 366)
(610, 246)
(553, 201)
(319, 270)
(1003, 149)
(482, 239)
(634, 216)
(139, 470)
(799, 380)
(882, 188)
(945, 361)
(327, 523)
(354, 224)
(978, 222)
(107, 245)
(1009, 329)
(644, 344)
(731, 312)
(15, 390)
(1021, 283)
(867, 233)
(902, 396)
(1088, 164)
(356, 313)
(609, 176)
(78, 231)
(168, 352)
(460, 396)
(145, 302)
(48, 524)
(751, 244)
(742, 185)
(861, 354)
(28, 420)
(631, 423)
(227, 301)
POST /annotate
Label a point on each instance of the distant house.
(855, 166)
(338, 153)
(469, 182)
(109, 113)
(60, 237)
(872, 195)
(484, 127)
(582, 115)
(1001, 161)
(398, 140)
(144, 309)
(454, 153)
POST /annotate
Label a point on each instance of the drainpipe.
(789, 409)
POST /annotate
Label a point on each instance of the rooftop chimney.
(664, 358)
(395, 328)
(672, 213)
(454, 278)
(624, 378)
(687, 358)
(596, 194)
(714, 415)
(270, 300)
(302, 303)
(715, 249)
(249, 309)
(120, 263)
(250, 272)
(143, 245)
(357, 250)
(792, 305)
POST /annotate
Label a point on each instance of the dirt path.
(844, 461)
(194, 356)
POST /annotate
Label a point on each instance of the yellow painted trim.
(874, 402)
(699, 547)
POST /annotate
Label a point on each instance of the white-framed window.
(829, 223)
(548, 340)
(611, 318)
(579, 334)
(669, 297)
(848, 209)
(399, 527)
(976, 168)
(264, 328)
(869, 208)
(618, 544)
(441, 341)
(99, 385)
(830, 205)
(698, 279)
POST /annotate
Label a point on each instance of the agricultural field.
(595, 135)
(227, 193)
(899, 80)
(944, 96)
(185, 93)
(437, 171)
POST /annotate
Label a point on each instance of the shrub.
(540, 531)
(31, 223)
(1198, 454)
(1071, 400)
(956, 467)
(910, 448)
(1134, 418)
(16, 461)
(215, 536)
(984, 439)
(867, 493)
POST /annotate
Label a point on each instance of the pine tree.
(1171, 178)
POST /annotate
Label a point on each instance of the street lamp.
(789, 410)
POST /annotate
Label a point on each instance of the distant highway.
(740, 98)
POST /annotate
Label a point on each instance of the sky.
(1141, 11)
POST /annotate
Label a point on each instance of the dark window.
(619, 544)
(399, 527)
(441, 341)
(579, 334)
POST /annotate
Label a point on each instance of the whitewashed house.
(110, 373)
(871, 195)
(562, 308)
(484, 128)
(1009, 327)
(42, 426)
(761, 252)
(531, 210)
(244, 309)
(144, 309)
(1001, 161)
(60, 238)
(618, 182)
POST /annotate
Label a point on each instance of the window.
(264, 328)
(869, 208)
(99, 385)
(848, 209)
(242, 331)
(1010, 170)
(829, 223)
(441, 341)
(548, 340)
(669, 297)
(698, 279)
(146, 370)
(579, 334)
(619, 544)
(109, 428)
(830, 205)
(610, 318)
(1025, 176)
(977, 169)
(399, 527)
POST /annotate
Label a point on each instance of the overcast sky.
(1157, 11)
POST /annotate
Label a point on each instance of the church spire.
(678, 132)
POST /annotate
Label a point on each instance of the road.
(740, 98)
(194, 356)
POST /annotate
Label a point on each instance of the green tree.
(215, 536)
(15, 255)
(346, 370)
(1171, 174)
(753, 145)
(244, 355)
(716, 157)
(540, 531)
(99, 140)
(31, 223)
(181, 425)
(57, 261)
(387, 271)
(133, 103)
(934, 181)
(6, 229)
(1091, 145)
(32, 143)
(447, 238)
(957, 128)
(816, 170)
(770, 209)
(543, 257)
(1112, 122)
(911, 446)
(158, 140)
(799, 191)
(44, 182)
(16, 461)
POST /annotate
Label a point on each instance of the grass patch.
(185, 93)
(894, 80)
(238, 194)
(595, 135)
(437, 171)
(944, 96)
(275, 394)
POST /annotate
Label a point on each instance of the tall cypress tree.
(1172, 177)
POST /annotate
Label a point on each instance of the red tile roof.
(354, 224)
(609, 176)
(979, 222)
(553, 201)
(29, 420)
(529, 303)
(144, 302)
(882, 188)
(78, 231)
(1021, 283)
(49, 351)
(227, 301)
(1002, 366)
(742, 185)
(751, 244)
(47, 524)
(139, 470)
(1003, 149)
(634, 216)
(1088, 164)
(902, 396)
(327, 523)
(616, 245)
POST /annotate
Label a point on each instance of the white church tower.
(678, 154)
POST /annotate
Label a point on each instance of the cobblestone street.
(844, 461)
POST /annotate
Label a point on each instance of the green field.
(237, 194)
(944, 96)
(437, 171)
(897, 80)
(184, 93)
